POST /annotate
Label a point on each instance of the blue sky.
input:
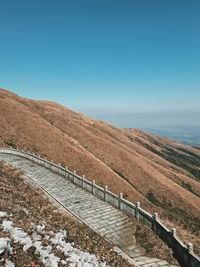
(134, 63)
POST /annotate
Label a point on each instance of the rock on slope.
(162, 174)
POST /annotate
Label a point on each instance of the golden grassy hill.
(160, 173)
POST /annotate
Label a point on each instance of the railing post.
(93, 187)
(105, 193)
(155, 219)
(66, 171)
(137, 210)
(189, 257)
(190, 247)
(52, 165)
(74, 174)
(59, 165)
(45, 162)
(174, 232)
(120, 200)
(83, 178)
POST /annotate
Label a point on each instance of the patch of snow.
(9, 263)
(46, 255)
(5, 245)
(74, 256)
(48, 258)
(17, 234)
(3, 214)
(36, 237)
(59, 240)
(40, 228)
(7, 225)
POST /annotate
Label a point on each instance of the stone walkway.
(100, 216)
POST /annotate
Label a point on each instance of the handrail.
(184, 254)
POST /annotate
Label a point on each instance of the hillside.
(160, 173)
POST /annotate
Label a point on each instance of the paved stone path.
(100, 216)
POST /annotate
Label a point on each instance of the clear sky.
(134, 63)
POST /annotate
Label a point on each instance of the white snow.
(40, 228)
(46, 255)
(17, 234)
(9, 264)
(73, 256)
(5, 245)
(3, 214)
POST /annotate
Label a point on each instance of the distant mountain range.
(185, 134)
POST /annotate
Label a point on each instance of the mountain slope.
(162, 174)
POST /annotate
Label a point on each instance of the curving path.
(100, 216)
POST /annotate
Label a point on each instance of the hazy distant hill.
(185, 134)
(160, 173)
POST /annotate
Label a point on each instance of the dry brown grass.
(19, 197)
(162, 174)
(28, 205)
